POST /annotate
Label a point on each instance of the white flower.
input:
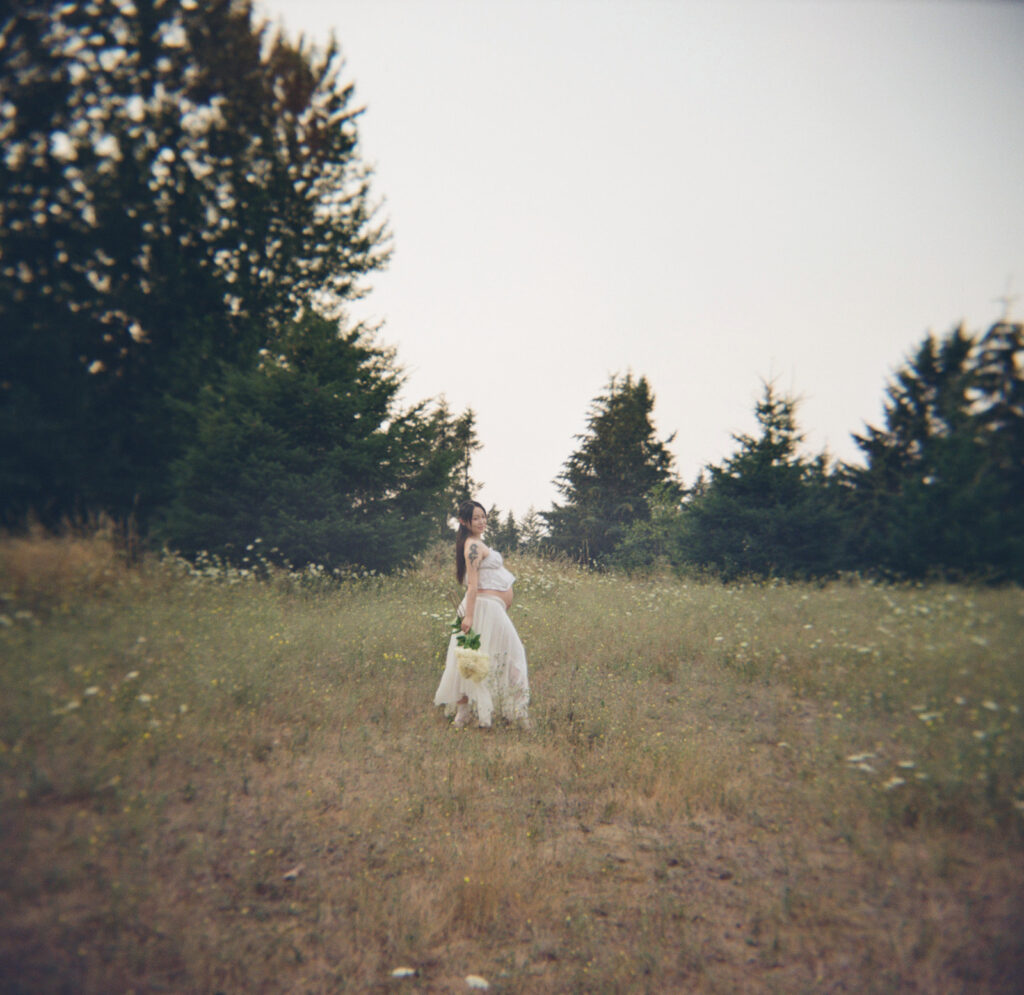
(893, 782)
(473, 664)
(403, 972)
(990, 705)
(475, 981)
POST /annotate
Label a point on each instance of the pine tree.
(940, 491)
(767, 510)
(606, 483)
(308, 456)
(502, 532)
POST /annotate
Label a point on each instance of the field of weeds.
(211, 783)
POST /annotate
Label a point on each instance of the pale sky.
(709, 194)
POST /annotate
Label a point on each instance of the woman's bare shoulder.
(475, 550)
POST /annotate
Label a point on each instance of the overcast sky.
(709, 194)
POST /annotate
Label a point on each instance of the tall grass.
(213, 783)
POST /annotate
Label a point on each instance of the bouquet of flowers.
(473, 664)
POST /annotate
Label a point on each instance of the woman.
(485, 610)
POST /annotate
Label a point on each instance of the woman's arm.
(475, 552)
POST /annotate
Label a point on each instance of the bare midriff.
(504, 596)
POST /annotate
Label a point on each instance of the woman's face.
(478, 522)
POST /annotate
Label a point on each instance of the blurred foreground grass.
(212, 783)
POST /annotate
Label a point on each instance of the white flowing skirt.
(507, 686)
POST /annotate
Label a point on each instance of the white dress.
(507, 686)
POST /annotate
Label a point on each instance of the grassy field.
(213, 784)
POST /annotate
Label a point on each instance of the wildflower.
(403, 972)
(90, 691)
(990, 705)
(893, 782)
(857, 758)
(978, 734)
(475, 981)
(907, 764)
(145, 699)
(131, 675)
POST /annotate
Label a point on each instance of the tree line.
(940, 489)
(185, 223)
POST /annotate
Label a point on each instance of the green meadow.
(216, 783)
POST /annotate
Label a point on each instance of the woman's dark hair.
(466, 510)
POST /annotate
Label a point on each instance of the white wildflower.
(893, 782)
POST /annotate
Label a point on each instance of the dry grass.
(213, 786)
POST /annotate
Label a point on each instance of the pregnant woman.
(485, 610)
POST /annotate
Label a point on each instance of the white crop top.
(492, 573)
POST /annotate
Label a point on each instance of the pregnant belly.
(505, 596)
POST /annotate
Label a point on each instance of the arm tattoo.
(473, 554)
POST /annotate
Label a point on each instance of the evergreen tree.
(532, 533)
(307, 455)
(502, 533)
(941, 488)
(767, 510)
(175, 185)
(607, 482)
(652, 541)
(456, 434)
